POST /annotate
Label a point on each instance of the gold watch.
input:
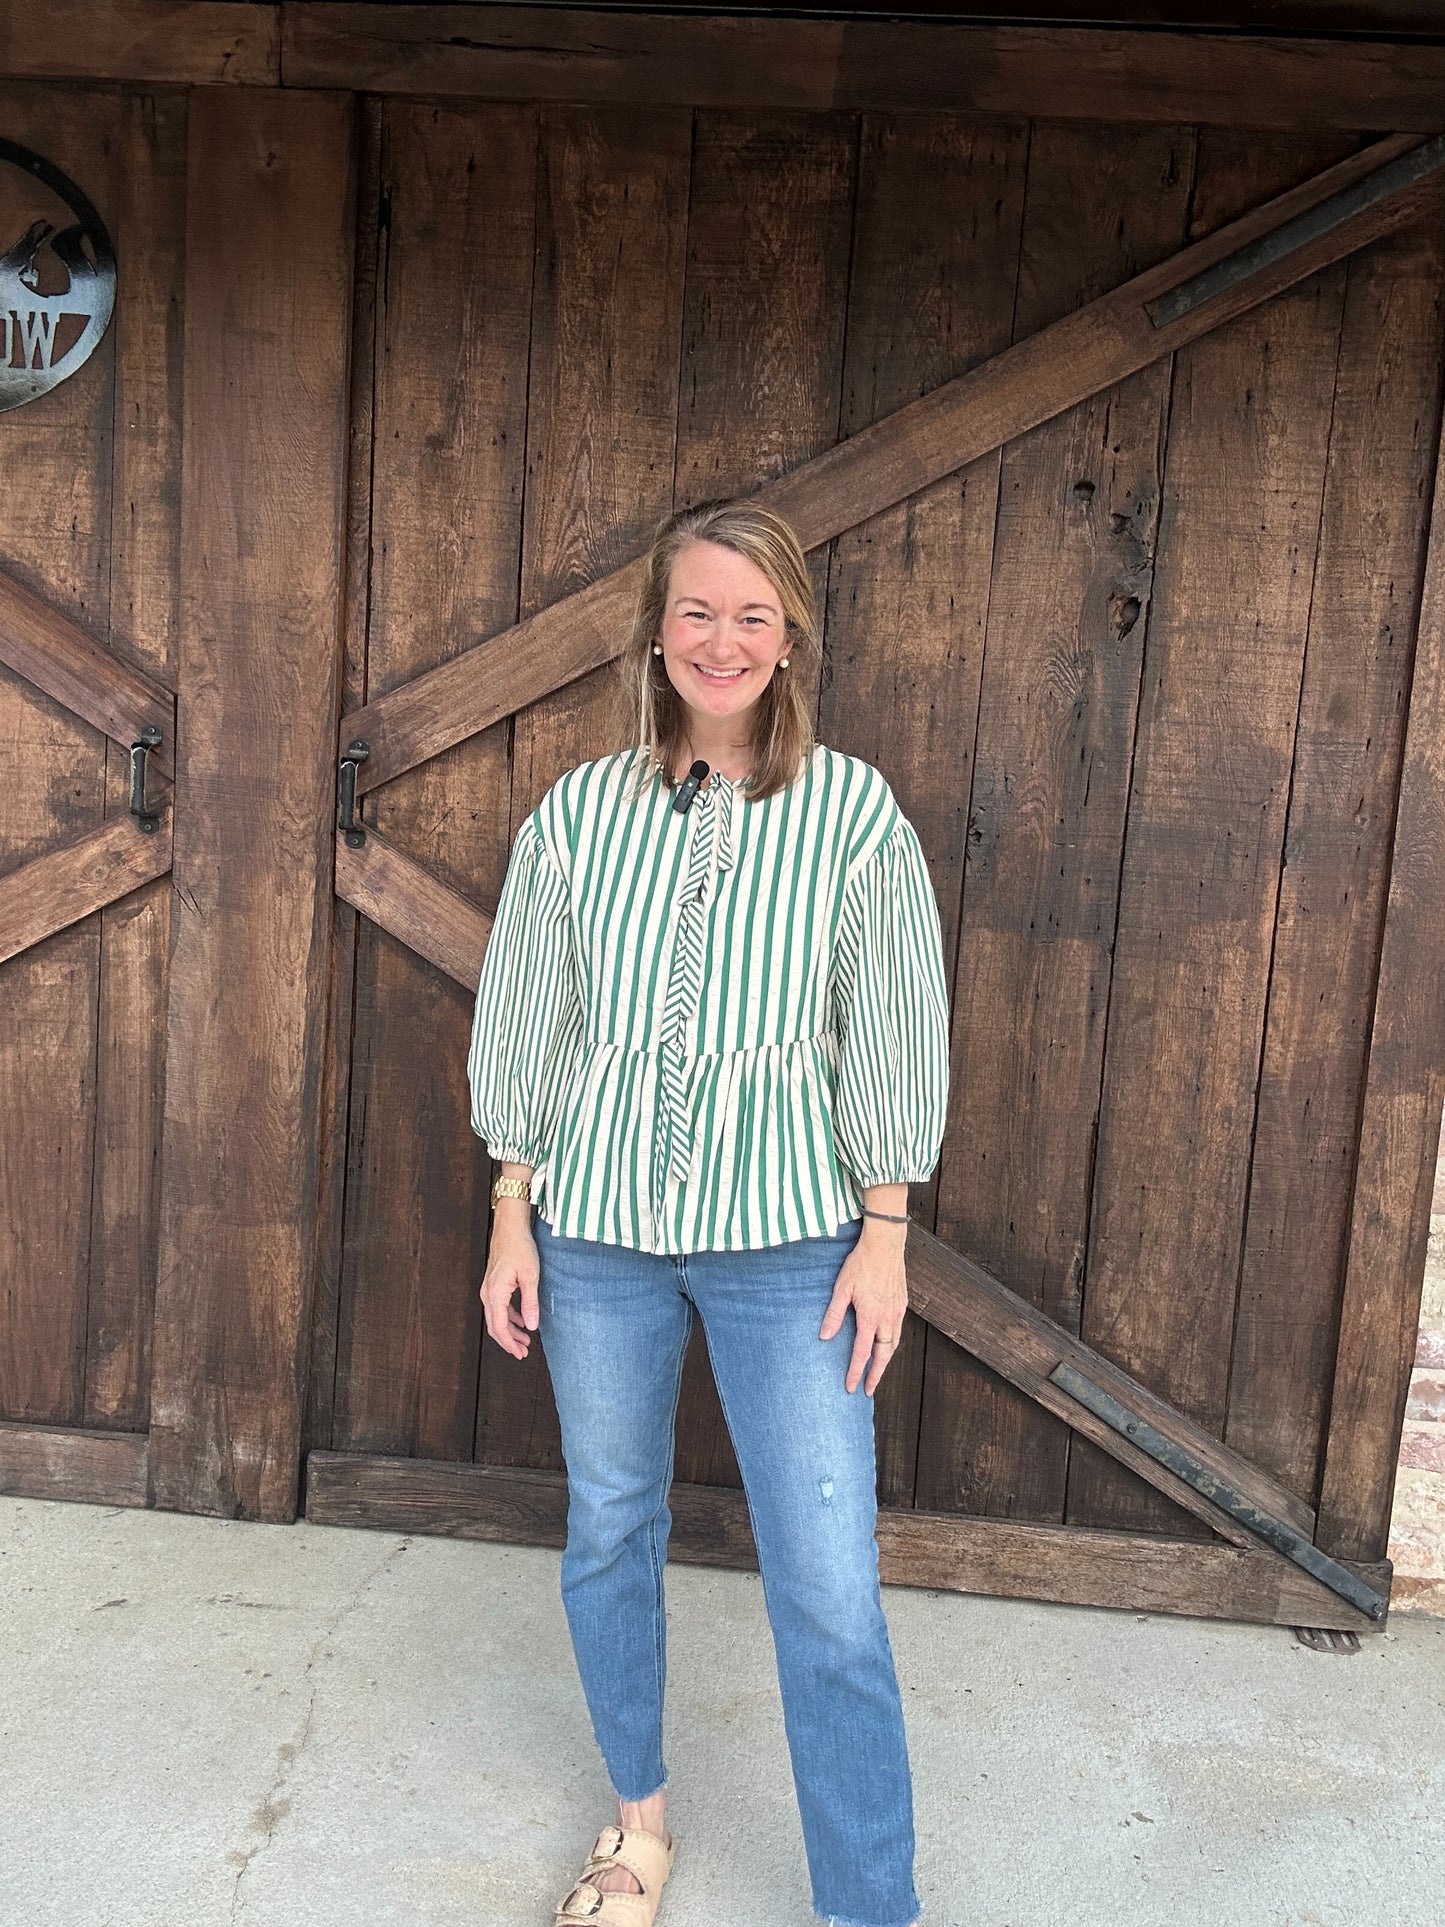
(511, 1188)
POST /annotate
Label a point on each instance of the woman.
(711, 1045)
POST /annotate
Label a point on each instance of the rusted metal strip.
(1275, 1533)
(1316, 222)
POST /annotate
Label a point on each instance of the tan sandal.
(647, 1858)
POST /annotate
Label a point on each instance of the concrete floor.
(206, 1723)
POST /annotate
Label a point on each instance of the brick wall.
(1417, 1526)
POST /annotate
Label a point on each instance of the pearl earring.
(657, 649)
(782, 662)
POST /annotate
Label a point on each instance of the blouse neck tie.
(710, 853)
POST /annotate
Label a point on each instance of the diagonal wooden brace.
(53, 891)
(1043, 1360)
(56, 654)
(409, 903)
(1265, 251)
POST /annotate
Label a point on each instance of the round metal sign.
(57, 282)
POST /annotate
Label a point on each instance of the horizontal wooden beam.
(54, 653)
(198, 41)
(1258, 78)
(60, 1462)
(1090, 350)
(412, 905)
(791, 64)
(53, 891)
(1073, 1564)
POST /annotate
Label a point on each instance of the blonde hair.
(647, 702)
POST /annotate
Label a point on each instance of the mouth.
(718, 675)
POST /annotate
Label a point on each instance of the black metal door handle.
(346, 818)
(146, 818)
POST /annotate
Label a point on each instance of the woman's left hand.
(873, 1281)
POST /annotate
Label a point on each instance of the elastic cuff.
(514, 1154)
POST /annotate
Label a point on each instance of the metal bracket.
(347, 820)
(146, 818)
(1416, 164)
(1275, 1533)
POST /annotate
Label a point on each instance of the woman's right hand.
(513, 1267)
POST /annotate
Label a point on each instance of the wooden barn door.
(1119, 506)
(89, 566)
(170, 562)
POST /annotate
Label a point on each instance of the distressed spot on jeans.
(825, 1486)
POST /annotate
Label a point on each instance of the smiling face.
(722, 630)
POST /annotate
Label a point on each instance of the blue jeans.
(614, 1325)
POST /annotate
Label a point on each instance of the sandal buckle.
(569, 1912)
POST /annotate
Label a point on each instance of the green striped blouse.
(706, 1031)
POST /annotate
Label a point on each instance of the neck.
(719, 752)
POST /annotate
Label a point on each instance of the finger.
(883, 1350)
(529, 1304)
(517, 1325)
(502, 1325)
(862, 1352)
(502, 1335)
(837, 1311)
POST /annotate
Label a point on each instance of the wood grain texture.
(335, 1105)
(268, 242)
(933, 436)
(1022, 1345)
(51, 892)
(40, 643)
(145, 520)
(454, 295)
(1072, 573)
(769, 224)
(402, 897)
(786, 65)
(141, 40)
(1142, 1573)
(1364, 608)
(1400, 1121)
(603, 370)
(931, 294)
(54, 543)
(66, 1462)
(1239, 527)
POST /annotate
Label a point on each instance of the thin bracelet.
(885, 1214)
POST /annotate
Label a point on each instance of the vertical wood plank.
(1239, 528)
(145, 520)
(601, 431)
(1400, 1129)
(1353, 708)
(935, 267)
(347, 927)
(1073, 565)
(268, 286)
(55, 538)
(454, 284)
(769, 229)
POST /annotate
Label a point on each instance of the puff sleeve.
(527, 1020)
(890, 1011)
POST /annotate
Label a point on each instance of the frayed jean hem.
(842, 1920)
